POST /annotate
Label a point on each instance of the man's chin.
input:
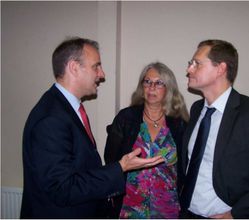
(194, 90)
(90, 96)
(191, 86)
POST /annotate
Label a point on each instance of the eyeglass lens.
(150, 83)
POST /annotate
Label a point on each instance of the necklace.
(155, 125)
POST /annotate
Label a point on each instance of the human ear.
(222, 68)
(73, 67)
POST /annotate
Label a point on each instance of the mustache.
(98, 81)
(187, 75)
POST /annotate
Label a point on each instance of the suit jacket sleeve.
(122, 133)
(241, 208)
(113, 147)
(231, 156)
(70, 174)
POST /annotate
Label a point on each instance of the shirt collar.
(73, 100)
(221, 101)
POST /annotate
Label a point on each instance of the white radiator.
(11, 199)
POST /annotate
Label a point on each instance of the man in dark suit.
(63, 173)
(221, 187)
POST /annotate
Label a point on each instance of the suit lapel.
(227, 124)
(68, 108)
(194, 116)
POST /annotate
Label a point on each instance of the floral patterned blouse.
(152, 192)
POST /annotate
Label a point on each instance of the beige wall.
(30, 32)
(170, 32)
(131, 34)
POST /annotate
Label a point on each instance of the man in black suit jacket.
(222, 186)
(63, 173)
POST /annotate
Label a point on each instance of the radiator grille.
(11, 199)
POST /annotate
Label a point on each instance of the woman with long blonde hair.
(154, 122)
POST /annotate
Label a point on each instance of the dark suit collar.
(229, 116)
(66, 105)
(69, 109)
(227, 123)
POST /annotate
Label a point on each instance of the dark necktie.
(86, 121)
(196, 159)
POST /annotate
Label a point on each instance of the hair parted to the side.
(174, 104)
(223, 51)
(70, 49)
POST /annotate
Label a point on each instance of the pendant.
(155, 125)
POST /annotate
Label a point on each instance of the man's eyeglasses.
(159, 84)
(194, 63)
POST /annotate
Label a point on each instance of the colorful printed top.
(152, 192)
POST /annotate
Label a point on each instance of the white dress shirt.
(74, 101)
(205, 201)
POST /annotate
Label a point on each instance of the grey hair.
(174, 104)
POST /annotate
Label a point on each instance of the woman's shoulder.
(131, 111)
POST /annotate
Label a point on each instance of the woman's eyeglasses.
(159, 84)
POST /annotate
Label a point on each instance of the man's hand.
(226, 215)
(131, 161)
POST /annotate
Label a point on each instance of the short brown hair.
(223, 51)
(70, 49)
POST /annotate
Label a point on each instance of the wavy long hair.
(174, 104)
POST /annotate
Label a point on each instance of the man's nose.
(101, 73)
(190, 69)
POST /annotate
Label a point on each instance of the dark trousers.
(190, 215)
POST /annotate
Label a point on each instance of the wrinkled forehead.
(202, 52)
(90, 50)
(90, 54)
(152, 73)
